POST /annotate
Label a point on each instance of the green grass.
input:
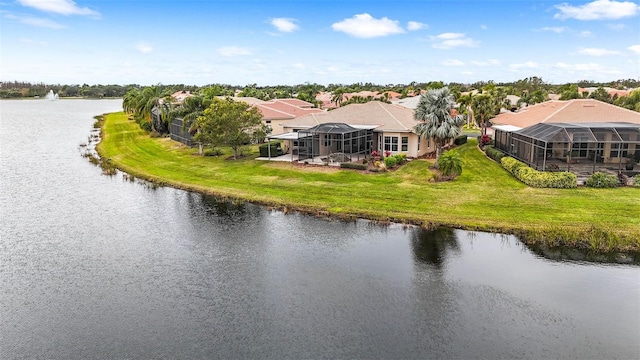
(484, 197)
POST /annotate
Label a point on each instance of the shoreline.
(606, 238)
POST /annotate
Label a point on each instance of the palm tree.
(434, 112)
(337, 96)
(189, 111)
(483, 107)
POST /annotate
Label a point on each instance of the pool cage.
(543, 145)
(335, 142)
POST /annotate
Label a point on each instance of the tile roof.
(285, 109)
(387, 117)
(571, 111)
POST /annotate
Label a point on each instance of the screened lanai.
(335, 142)
(548, 146)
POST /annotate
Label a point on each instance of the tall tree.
(435, 113)
(484, 109)
(189, 111)
(229, 123)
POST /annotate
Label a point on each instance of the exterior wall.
(397, 146)
(276, 125)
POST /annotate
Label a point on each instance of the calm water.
(96, 267)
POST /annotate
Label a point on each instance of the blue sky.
(293, 42)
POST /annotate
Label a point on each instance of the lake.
(93, 266)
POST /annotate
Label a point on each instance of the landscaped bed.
(484, 197)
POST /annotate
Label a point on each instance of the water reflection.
(432, 246)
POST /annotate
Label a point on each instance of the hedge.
(539, 179)
(602, 180)
(493, 153)
(462, 139)
(636, 180)
(356, 166)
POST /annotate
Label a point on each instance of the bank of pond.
(484, 197)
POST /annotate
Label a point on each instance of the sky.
(200, 42)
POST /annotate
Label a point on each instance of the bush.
(401, 158)
(538, 179)
(485, 140)
(212, 152)
(450, 163)
(636, 180)
(390, 162)
(350, 165)
(493, 153)
(462, 139)
(276, 149)
(602, 180)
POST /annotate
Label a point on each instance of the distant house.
(355, 130)
(580, 130)
(279, 111)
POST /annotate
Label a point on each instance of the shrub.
(636, 180)
(390, 162)
(493, 153)
(462, 139)
(450, 163)
(484, 140)
(538, 179)
(602, 180)
(350, 165)
(401, 158)
(212, 152)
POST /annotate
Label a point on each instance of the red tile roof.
(285, 109)
(571, 111)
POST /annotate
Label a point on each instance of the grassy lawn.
(484, 197)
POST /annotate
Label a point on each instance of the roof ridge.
(557, 111)
(392, 115)
(276, 110)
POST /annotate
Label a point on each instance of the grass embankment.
(485, 197)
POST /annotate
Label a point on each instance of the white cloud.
(299, 66)
(616, 27)
(38, 22)
(555, 29)
(284, 24)
(598, 10)
(585, 33)
(64, 7)
(483, 27)
(452, 62)
(233, 51)
(144, 47)
(490, 62)
(452, 40)
(365, 26)
(32, 42)
(579, 67)
(634, 48)
(414, 26)
(597, 52)
(527, 65)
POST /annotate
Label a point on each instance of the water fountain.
(51, 96)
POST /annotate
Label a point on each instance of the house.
(279, 111)
(573, 131)
(355, 130)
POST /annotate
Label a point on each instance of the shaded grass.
(483, 197)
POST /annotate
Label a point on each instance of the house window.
(405, 143)
(327, 140)
(268, 121)
(391, 143)
(618, 150)
(579, 150)
(419, 141)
